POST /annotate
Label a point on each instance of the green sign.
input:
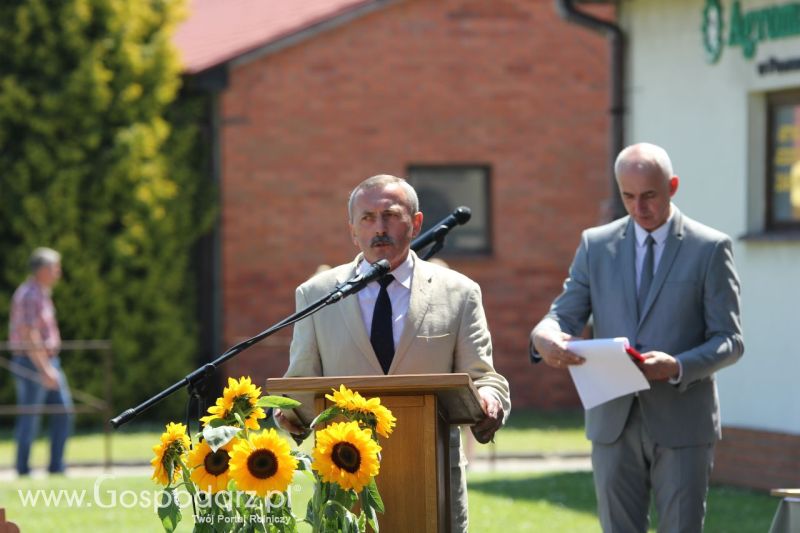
(747, 28)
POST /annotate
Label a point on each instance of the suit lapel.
(671, 247)
(417, 309)
(350, 310)
(627, 258)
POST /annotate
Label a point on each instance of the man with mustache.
(422, 319)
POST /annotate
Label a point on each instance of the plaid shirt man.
(32, 308)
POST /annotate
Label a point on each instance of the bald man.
(668, 284)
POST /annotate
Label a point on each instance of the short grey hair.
(43, 257)
(381, 180)
(644, 156)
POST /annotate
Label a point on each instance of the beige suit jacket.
(445, 331)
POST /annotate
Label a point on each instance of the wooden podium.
(414, 480)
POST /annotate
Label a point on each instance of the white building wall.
(711, 120)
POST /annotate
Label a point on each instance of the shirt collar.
(659, 235)
(44, 290)
(402, 274)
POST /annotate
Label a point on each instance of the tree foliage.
(98, 163)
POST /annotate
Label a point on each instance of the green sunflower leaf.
(216, 422)
(351, 522)
(203, 528)
(311, 515)
(168, 511)
(169, 466)
(326, 415)
(281, 402)
(217, 437)
(373, 496)
(362, 526)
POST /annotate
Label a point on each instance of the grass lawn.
(128, 445)
(565, 502)
(534, 432)
(527, 432)
(104, 503)
(499, 501)
(558, 502)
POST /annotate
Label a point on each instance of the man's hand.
(658, 366)
(287, 424)
(552, 346)
(485, 429)
(49, 377)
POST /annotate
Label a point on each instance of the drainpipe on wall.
(566, 9)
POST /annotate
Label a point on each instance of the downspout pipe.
(567, 10)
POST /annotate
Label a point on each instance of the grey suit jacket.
(445, 331)
(692, 313)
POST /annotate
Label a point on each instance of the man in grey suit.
(434, 319)
(668, 284)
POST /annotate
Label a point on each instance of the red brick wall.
(757, 459)
(505, 82)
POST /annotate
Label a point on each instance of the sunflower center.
(216, 463)
(262, 464)
(346, 456)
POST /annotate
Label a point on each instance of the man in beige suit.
(435, 323)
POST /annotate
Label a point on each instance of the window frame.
(449, 251)
(774, 100)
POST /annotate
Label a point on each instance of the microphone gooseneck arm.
(192, 380)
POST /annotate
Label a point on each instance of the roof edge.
(300, 35)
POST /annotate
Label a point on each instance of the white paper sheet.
(608, 372)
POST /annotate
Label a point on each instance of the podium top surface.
(455, 392)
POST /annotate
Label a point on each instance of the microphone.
(376, 271)
(460, 215)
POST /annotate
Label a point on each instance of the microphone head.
(462, 214)
(382, 266)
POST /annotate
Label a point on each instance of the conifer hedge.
(97, 162)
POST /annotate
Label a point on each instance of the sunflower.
(346, 454)
(384, 418)
(263, 463)
(210, 469)
(346, 399)
(349, 400)
(169, 452)
(238, 397)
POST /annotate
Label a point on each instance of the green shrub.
(99, 163)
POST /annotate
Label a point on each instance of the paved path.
(551, 463)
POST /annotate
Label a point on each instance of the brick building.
(498, 105)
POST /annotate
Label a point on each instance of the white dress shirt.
(399, 294)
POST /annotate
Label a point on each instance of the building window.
(443, 188)
(783, 163)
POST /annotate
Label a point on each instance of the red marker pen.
(634, 354)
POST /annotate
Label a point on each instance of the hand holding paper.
(608, 372)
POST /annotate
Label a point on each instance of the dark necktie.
(647, 273)
(381, 335)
